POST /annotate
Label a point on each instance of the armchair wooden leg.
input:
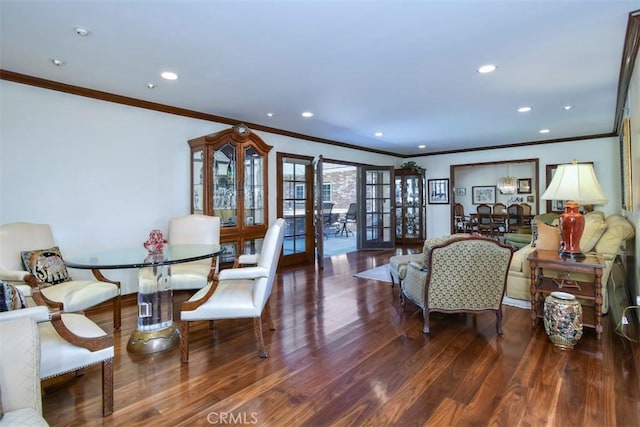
(117, 317)
(184, 341)
(425, 315)
(257, 331)
(107, 387)
(499, 321)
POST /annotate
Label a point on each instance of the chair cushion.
(10, 297)
(548, 237)
(24, 417)
(46, 264)
(79, 295)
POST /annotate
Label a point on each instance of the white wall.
(102, 174)
(602, 152)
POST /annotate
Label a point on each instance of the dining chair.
(237, 293)
(514, 217)
(526, 213)
(484, 224)
(461, 222)
(191, 230)
(29, 258)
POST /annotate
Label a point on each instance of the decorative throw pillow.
(548, 237)
(594, 228)
(10, 297)
(46, 264)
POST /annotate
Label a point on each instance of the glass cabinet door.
(224, 184)
(253, 187)
(197, 195)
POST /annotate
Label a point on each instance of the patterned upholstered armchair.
(459, 275)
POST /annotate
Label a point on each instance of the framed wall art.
(483, 194)
(625, 165)
(438, 191)
(524, 186)
(461, 191)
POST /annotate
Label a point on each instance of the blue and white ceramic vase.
(563, 319)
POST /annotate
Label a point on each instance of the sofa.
(601, 236)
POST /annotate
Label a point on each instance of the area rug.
(380, 273)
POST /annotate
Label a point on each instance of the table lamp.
(577, 184)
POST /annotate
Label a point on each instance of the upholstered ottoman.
(398, 266)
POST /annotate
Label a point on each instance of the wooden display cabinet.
(229, 171)
(409, 206)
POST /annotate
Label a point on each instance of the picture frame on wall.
(524, 186)
(483, 194)
(625, 165)
(555, 205)
(461, 191)
(438, 191)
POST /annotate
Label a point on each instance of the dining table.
(155, 330)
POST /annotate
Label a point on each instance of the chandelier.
(507, 184)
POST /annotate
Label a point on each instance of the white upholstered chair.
(191, 230)
(20, 373)
(69, 342)
(237, 293)
(68, 296)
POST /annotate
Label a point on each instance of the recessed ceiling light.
(567, 107)
(487, 68)
(269, 114)
(168, 75)
(150, 85)
(378, 134)
(56, 62)
(524, 109)
(307, 114)
(544, 131)
(82, 31)
(422, 146)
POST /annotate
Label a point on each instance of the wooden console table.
(542, 286)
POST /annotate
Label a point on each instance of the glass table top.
(140, 257)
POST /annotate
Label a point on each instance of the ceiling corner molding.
(629, 54)
(148, 105)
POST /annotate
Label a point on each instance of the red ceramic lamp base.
(571, 228)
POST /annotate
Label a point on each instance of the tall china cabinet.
(229, 171)
(410, 206)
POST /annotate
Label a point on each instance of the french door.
(377, 228)
(295, 205)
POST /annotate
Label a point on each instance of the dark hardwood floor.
(345, 354)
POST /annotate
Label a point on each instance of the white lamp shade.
(578, 182)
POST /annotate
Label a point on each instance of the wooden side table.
(542, 286)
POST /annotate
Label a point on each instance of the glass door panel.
(197, 195)
(224, 182)
(378, 228)
(295, 206)
(253, 187)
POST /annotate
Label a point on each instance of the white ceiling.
(406, 68)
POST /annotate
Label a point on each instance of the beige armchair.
(68, 295)
(69, 342)
(460, 275)
(21, 403)
(192, 229)
(239, 293)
